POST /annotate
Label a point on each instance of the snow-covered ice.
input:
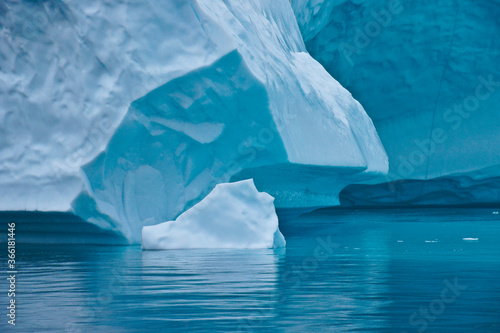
(233, 215)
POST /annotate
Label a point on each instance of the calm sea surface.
(405, 270)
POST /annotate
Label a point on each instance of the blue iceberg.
(428, 76)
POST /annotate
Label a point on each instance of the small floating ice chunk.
(400, 241)
(432, 241)
(470, 239)
(234, 215)
(495, 213)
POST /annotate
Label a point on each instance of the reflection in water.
(342, 271)
(199, 285)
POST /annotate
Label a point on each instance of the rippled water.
(418, 270)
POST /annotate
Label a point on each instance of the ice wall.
(427, 74)
(69, 72)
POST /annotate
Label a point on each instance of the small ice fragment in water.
(234, 215)
(470, 239)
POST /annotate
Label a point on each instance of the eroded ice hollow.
(234, 215)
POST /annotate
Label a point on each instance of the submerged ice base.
(233, 215)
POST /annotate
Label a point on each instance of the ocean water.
(387, 270)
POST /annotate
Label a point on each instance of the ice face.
(131, 113)
(69, 73)
(233, 215)
(428, 76)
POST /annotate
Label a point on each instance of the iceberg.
(262, 110)
(234, 215)
(431, 86)
(131, 113)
